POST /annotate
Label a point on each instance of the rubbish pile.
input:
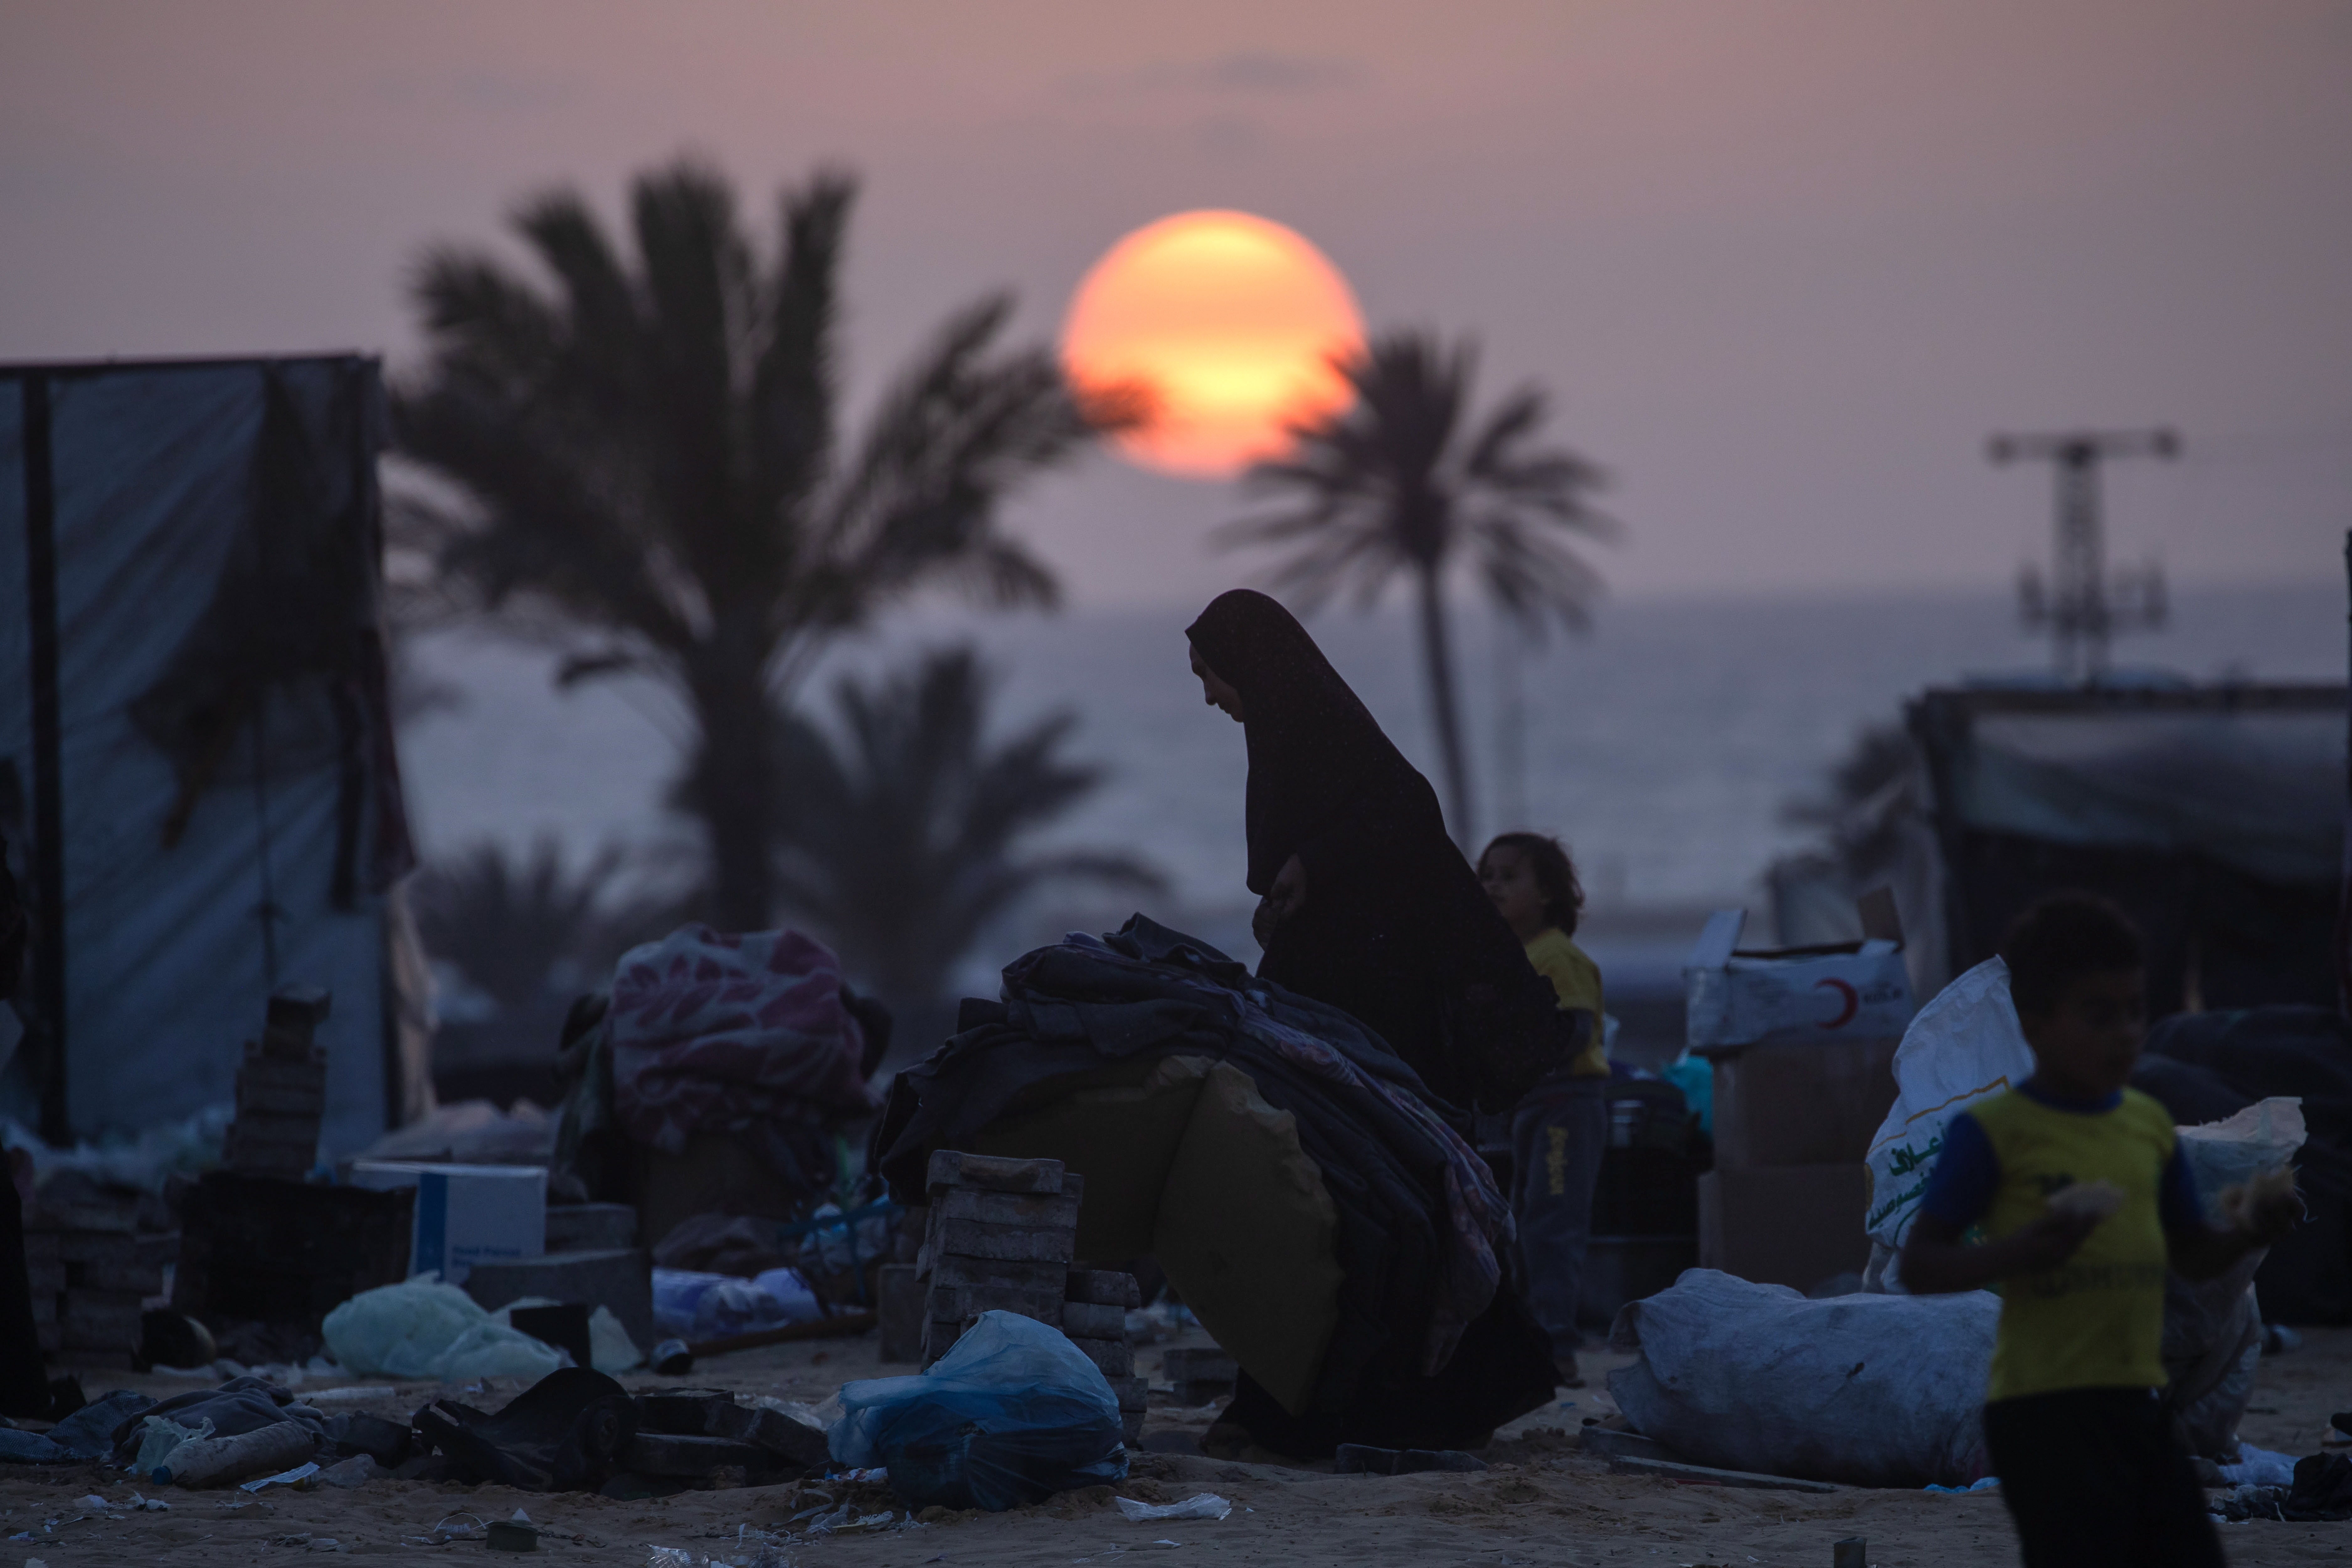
(572, 1429)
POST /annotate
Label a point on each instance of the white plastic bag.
(426, 1329)
(1878, 1391)
(2263, 1137)
(1964, 1045)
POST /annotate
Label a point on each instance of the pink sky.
(1784, 263)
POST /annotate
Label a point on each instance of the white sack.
(1964, 1045)
(1882, 1391)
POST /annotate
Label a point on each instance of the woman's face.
(1216, 692)
(1510, 881)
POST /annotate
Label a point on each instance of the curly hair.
(1563, 895)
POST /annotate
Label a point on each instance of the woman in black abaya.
(1366, 905)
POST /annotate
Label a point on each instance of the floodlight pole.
(2078, 611)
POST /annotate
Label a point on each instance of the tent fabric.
(229, 804)
(2260, 789)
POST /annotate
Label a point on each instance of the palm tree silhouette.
(653, 480)
(902, 839)
(1402, 482)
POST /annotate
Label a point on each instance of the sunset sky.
(1784, 263)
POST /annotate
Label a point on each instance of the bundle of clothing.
(1431, 1345)
(753, 1035)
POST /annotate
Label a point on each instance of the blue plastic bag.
(1012, 1413)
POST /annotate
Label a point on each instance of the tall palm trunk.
(736, 798)
(1437, 659)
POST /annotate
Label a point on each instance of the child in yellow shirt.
(2088, 1200)
(1560, 1127)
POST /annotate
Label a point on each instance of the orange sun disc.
(1226, 325)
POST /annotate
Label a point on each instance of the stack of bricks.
(1094, 1315)
(999, 1236)
(91, 1279)
(281, 1091)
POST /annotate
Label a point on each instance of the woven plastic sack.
(1873, 1390)
(1964, 1045)
(1012, 1413)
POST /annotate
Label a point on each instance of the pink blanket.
(712, 1032)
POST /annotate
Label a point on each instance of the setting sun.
(1228, 324)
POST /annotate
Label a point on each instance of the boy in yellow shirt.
(2087, 1198)
(1559, 1127)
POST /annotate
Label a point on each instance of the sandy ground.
(1544, 1502)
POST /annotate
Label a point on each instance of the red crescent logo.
(1852, 1001)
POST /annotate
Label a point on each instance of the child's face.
(2088, 1040)
(1510, 881)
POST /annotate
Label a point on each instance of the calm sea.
(1663, 746)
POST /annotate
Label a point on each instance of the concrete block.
(960, 1303)
(1030, 1279)
(1084, 1319)
(620, 1279)
(48, 1279)
(1038, 1211)
(1133, 1393)
(1105, 1288)
(950, 1168)
(1115, 1357)
(1130, 1425)
(40, 1247)
(44, 1306)
(939, 1335)
(591, 1227)
(1010, 1243)
(51, 1335)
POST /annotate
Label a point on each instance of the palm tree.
(1404, 480)
(651, 476)
(901, 842)
(527, 931)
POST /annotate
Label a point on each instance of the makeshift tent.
(197, 769)
(2213, 814)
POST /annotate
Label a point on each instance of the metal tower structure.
(2084, 608)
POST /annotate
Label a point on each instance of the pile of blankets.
(1429, 1318)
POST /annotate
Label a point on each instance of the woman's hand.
(1284, 899)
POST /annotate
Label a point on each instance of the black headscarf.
(1316, 757)
(1395, 928)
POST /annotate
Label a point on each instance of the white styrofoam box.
(1855, 991)
(465, 1213)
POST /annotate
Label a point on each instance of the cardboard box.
(465, 1213)
(1784, 1224)
(1815, 1103)
(1737, 996)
